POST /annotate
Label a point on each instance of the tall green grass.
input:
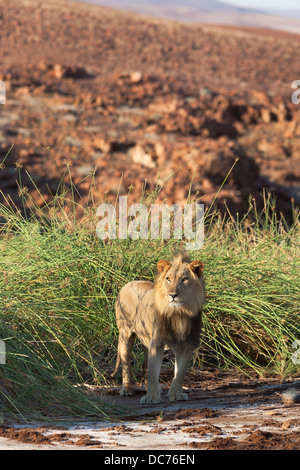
(59, 283)
(252, 314)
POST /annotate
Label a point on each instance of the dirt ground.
(224, 412)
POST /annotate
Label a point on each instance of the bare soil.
(224, 412)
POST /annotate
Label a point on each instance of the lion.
(168, 313)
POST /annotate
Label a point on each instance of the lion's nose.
(173, 296)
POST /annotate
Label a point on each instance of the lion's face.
(180, 286)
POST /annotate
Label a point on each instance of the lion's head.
(179, 287)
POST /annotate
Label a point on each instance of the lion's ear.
(162, 265)
(197, 266)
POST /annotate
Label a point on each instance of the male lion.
(167, 312)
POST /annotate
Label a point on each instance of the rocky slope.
(141, 100)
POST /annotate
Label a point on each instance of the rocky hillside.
(141, 100)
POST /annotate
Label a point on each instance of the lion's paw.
(127, 392)
(177, 396)
(150, 398)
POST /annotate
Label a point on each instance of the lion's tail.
(117, 366)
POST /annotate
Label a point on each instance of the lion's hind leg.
(124, 351)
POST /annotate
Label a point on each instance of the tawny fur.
(164, 313)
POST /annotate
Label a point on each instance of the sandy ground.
(222, 412)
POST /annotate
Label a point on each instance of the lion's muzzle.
(174, 301)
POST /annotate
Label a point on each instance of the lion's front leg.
(181, 364)
(155, 355)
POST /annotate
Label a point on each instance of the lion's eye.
(168, 279)
(185, 279)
